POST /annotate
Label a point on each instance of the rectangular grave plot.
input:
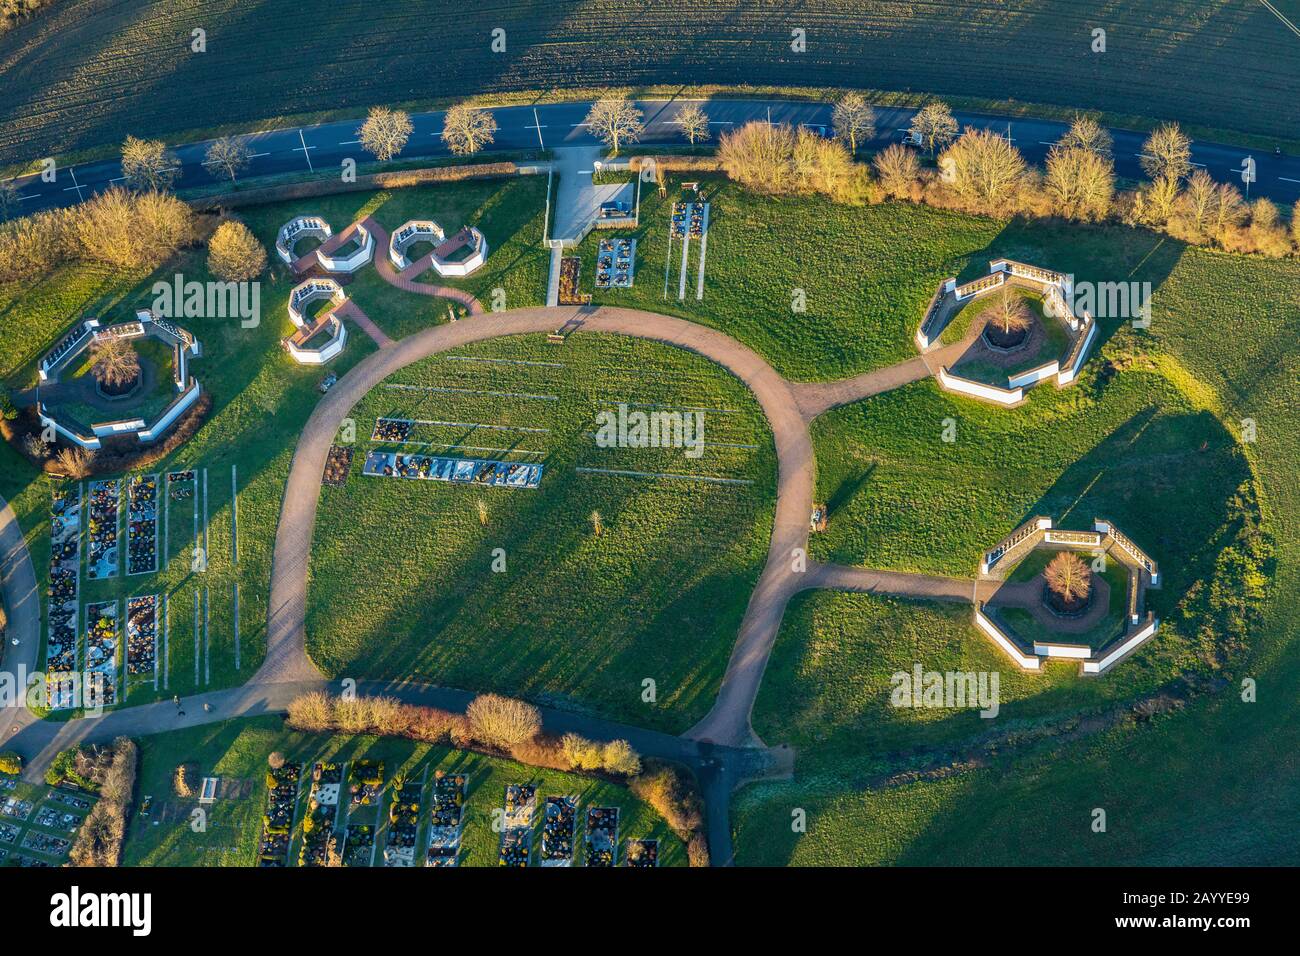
(601, 842)
(641, 853)
(15, 808)
(141, 635)
(102, 527)
(615, 263)
(281, 794)
(445, 819)
(103, 642)
(56, 817)
(498, 474)
(403, 825)
(358, 844)
(338, 466)
(46, 843)
(559, 822)
(142, 525)
(395, 430)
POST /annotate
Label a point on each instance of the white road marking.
(1285, 180)
(305, 152)
(353, 142)
(1277, 13)
(75, 185)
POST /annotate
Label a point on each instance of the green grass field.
(87, 73)
(762, 253)
(1149, 438)
(1209, 782)
(402, 576)
(236, 751)
(261, 398)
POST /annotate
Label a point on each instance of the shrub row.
(503, 724)
(397, 179)
(117, 227)
(983, 173)
(99, 842)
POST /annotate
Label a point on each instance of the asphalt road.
(523, 127)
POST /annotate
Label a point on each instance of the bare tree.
(148, 164)
(467, 129)
(130, 229)
(1086, 133)
(1196, 205)
(227, 156)
(614, 120)
(693, 122)
(1167, 153)
(853, 120)
(1229, 209)
(899, 171)
(1080, 182)
(935, 125)
(75, 461)
(385, 132)
(619, 757)
(1009, 311)
(985, 168)
(1156, 202)
(9, 200)
(1068, 577)
(759, 156)
(116, 362)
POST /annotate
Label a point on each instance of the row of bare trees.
(980, 171)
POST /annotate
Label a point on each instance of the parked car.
(327, 382)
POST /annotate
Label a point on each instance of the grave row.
(142, 525)
(102, 525)
(559, 826)
(44, 825)
(64, 587)
(615, 263)
(500, 474)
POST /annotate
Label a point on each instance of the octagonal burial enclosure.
(1056, 290)
(316, 341)
(459, 256)
(146, 429)
(1103, 540)
(302, 227)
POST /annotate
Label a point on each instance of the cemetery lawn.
(261, 399)
(864, 274)
(237, 750)
(402, 581)
(1147, 439)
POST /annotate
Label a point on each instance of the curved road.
(311, 148)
